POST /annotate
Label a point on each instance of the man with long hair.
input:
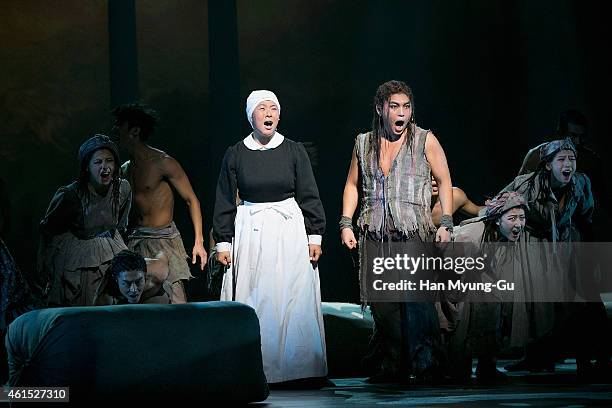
(394, 162)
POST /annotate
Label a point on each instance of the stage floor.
(559, 389)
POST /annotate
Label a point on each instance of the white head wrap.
(255, 98)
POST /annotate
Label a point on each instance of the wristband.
(345, 222)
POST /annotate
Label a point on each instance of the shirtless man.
(461, 203)
(134, 279)
(153, 175)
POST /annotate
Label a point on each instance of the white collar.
(252, 144)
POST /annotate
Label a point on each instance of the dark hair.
(491, 229)
(136, 114)
(544, 186)
(127, 261)
(491, 232)
(84, 175)
(570, 116)
(383, 94)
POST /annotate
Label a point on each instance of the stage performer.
(395, 162)
(273, 242)
(153, 175)
(561, 206)
(133, 279)
(81, 231)
(484, 326)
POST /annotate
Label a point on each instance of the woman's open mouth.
(105, 176)
(515, 233)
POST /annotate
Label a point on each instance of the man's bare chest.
(147, 181)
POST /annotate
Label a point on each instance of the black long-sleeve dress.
(271, 270)
(261, 176)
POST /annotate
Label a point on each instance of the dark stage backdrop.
(489, 80)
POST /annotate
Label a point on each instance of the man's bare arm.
(463, 203)
(174, 173)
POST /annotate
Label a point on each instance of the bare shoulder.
(433, 148)
(157, 155)
(431, 140)
(459, 194)
(167, 164)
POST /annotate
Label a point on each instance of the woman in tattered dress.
(80, 233)
(485, 325)
(561, 210)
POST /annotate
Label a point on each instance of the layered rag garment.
(271, 271)
(80, 237)
(511, 264)
(397, 204)
(404, 194)
(150, 241)
(397, 208)
(551, 220)
(567, 218)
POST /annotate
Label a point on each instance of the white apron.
(272, 273)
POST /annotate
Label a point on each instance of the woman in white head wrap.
(272, 242)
